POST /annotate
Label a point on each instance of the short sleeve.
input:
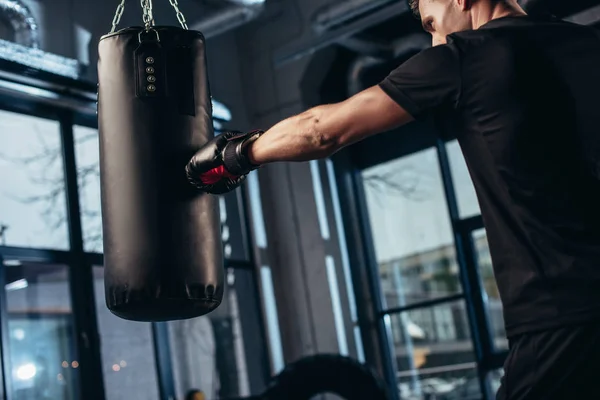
(427, 82)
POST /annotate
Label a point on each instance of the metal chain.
(118, 15)
(148, 16)
(180, 16)
(147, 9)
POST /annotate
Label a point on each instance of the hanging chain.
(148, 15)
(147, 9)
(180, 16)
(118, 15)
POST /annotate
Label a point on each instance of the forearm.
(302, 137)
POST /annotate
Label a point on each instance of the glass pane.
(220, 354)
(468, 204)
(233, 227)
(494, 305)
(127, 352)
(42, 350)
(495, 379)
(470, 388)
(32, 195)
(433, 349)
(87, 157)
(411, 229)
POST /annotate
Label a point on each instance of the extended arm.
(427, 82)
(323, 130)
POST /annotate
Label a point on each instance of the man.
(522, 95)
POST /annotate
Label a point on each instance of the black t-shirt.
(523, 98)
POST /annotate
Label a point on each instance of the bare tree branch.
(42, 167)
(405, 182)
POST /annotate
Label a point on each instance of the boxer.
(522, 96)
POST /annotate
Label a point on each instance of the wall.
(293, 206)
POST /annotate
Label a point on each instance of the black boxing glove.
(222, 164)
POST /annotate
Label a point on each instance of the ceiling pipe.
(367, 46)
(588, 17)
(22, 21)
(335, 15)
(233, 15)
(400, 48)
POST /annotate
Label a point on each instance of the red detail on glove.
(215, 175)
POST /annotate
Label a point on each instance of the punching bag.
(162, 245)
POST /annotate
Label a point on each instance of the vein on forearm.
(302, 137)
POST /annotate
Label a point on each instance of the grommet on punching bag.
(163, 253)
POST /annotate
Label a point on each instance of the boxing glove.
(222, 164)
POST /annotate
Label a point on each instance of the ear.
(465, 5)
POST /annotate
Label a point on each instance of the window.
(42, 355)
(87, 157)
(217, 353)
(433, 349)
(411, 230)
(488, 280)
(32, 195)
(495, 379)
(468, 204)
(127, 352)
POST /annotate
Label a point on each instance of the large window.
(469, 207)
(411, 230)
(416, 258)
(32, 194)
(127, 352)
(209, 352)
(62, 342)
(446, 342)
(42, 355)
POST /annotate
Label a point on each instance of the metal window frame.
(421, 136)
(5, 382)
(79, 110)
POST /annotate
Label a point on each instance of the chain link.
(118, 15)
(148, 16)
(180, 16)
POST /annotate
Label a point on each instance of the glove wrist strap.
(235, 154)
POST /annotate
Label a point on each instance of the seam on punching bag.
(182, 77)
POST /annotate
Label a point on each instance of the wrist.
(237, 155)
(249, 151)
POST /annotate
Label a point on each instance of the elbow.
(324, 142)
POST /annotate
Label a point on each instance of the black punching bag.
(162, 245)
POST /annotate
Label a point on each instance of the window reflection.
(42, 356)
(433, 349)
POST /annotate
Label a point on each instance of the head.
(443, 17)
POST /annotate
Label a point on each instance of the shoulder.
(434, 60)
(446, 53)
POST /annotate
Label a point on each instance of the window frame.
(72, 103)
(382, 148)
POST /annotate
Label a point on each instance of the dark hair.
(414, 6)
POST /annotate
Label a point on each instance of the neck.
(485, 11)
